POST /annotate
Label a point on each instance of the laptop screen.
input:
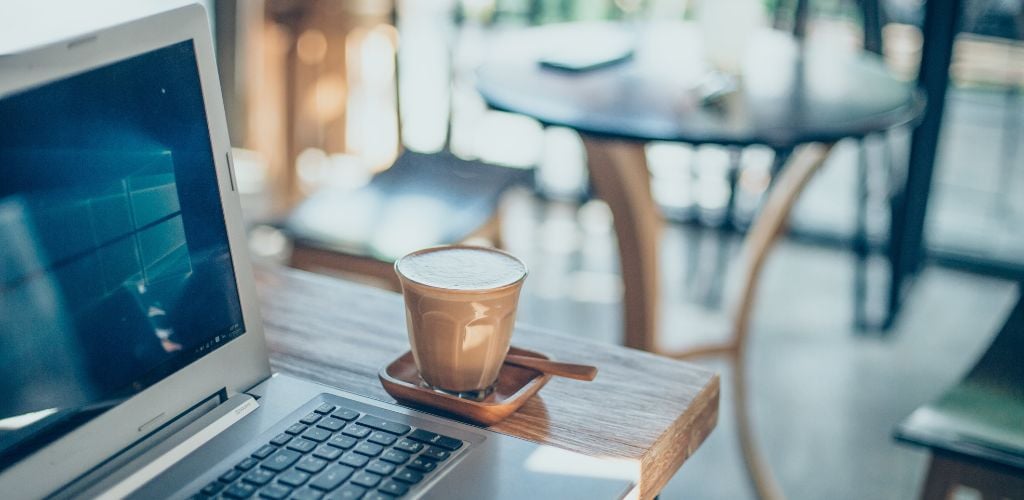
(115, 269)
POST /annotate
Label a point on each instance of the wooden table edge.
(703, 416)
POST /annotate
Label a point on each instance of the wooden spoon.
(557, 368)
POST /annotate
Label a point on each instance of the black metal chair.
(975, 431)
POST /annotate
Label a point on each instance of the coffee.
(460, 305)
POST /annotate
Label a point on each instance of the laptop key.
(264, 452)
(381, 467)
(311, 419)
(346, 414)
(317, 434)
(392, 487)
(435, 453)
(275, 492)
(448, 443)
(353, 459)
(376, 495)
(293, 478)
(422, 464)
(343, 442)
(296, 429)
(332, 424)
(423, 436)
(408, 446)
(356, 431)
(382, 438)
(384, 425)
(281, 460)
(311, 465)
(368, 449)
(281, 439)
(247, 464)
(408, 475)
(395, 456)
(327, 453)
(307, 494)
(366, 479)
(230, 475)
(258, 477)
(240, 490)
(332, 477)
(347, 492)
(302, 445)
(325, 408)
(212, 488)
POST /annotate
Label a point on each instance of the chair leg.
(760, 240)
(1009, 146)
(874, 20)
(941, 479)
(765, 485)
(735, 164)
(945, 474)
(778, 162)
(770, 225)
(860, 240)
(713, 294)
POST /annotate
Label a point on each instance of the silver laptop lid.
(125, 290)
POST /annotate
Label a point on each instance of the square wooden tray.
(515, 385)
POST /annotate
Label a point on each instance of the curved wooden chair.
(762, 236)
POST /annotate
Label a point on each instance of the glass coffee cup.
(460, 304)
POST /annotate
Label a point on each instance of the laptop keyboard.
(337, 453)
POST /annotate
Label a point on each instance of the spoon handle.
(568, 370)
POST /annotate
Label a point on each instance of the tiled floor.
(825, 397)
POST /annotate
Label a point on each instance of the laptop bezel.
(234, 367)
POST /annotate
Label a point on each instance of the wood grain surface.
(641, 407)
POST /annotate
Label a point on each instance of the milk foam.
(462, 268)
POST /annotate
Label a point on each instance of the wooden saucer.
(516, 384)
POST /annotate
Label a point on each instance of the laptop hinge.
(170, 452)
(114, 469)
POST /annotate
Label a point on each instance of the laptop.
(132, 357)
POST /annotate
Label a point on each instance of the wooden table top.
(643, 408)
(789, 94)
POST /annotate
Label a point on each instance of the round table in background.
(790, 93)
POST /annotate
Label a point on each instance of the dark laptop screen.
(114, 261)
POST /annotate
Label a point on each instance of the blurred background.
(323, 97)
